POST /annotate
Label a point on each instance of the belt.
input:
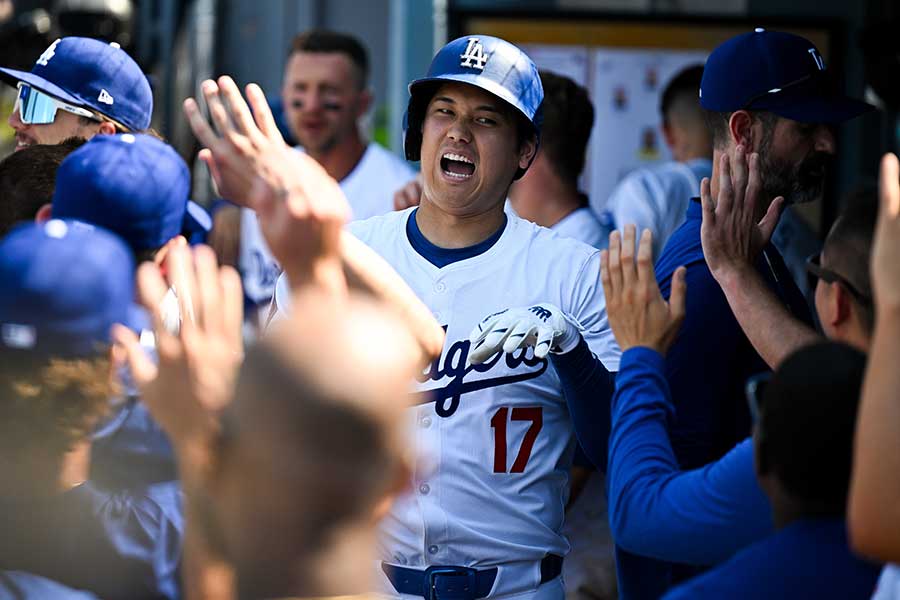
(457, 583)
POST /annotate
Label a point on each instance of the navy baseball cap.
(135, 185)
(777, 72)
(65, 284)
(90, 73)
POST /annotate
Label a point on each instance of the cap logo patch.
(474, 56)
(18, 336)
(820, 62)
(49, 53)
(105, 98)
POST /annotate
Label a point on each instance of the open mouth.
(457, 166)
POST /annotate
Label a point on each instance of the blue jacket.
(807, 559)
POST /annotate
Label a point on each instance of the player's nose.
(459, 131)
(14, 121)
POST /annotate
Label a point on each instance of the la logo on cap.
(474, 56)
(49, 53)
(105, 98)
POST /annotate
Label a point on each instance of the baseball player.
(494, 440)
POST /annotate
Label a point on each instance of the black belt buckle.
(456, 583)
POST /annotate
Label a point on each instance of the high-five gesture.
(301, 209)
(732, 233)
(197, 368)
(886, 245)
(636, 310)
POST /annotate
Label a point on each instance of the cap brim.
(821, 109)
(13, 77)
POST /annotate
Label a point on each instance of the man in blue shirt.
(784, 113)
(65, 284)
(803, 440)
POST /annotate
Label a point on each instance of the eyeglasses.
(754, 390)
(816, 271)
(748, 104)
(37, 108)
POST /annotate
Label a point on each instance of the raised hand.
(409, 195)
(301, 209)
(732, 234)
(886, 245)
(195, 376)
(636, 310)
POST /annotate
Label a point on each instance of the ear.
(669, 134)
(365, 102)
(841, 306)
(527, 150)
(44, 214)
(106, 128)
(740, 125)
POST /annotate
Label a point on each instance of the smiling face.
(470, 149)
(63, 127)
(323, 99)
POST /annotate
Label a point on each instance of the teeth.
(456, 175)
(458, 158)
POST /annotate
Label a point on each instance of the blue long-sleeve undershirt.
(699, 517)
(588, 388)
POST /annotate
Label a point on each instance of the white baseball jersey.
(656, 198)
(493, 442)
(583, 225)
(369, 189)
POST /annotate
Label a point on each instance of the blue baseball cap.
(65, 284)
(90, 73)
(135, 185)
(777, 72)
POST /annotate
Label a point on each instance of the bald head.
(312, 446)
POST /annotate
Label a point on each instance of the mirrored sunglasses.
(37, 108)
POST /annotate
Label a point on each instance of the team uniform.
(493, 442)
(655, 198)
(583, 225)
(369, 189)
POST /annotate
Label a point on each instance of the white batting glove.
(542, 326)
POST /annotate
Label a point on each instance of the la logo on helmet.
(49, 53)
(474, 56)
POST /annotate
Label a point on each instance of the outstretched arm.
(874, 507)
(732, 239)
(656, 510)
(254, 167)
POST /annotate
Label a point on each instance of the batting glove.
(542, 326)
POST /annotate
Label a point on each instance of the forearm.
(587, 387)
(774, 332)
(874, 505)
(366, 271)
(656, 510)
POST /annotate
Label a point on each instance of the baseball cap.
(132, 184)
(64, 285)
(91, 73)
(777, 72)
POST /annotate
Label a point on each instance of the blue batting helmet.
(489, 63)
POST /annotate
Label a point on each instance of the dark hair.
(28, 180)
(685, 84)
(805, 435)
(717, 122)
(325, 41)
(849, 247)
(51, 404)
(568, 120)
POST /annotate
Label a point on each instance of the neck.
(457, 231)
(544, 198)
(38, 475)
(342, 158)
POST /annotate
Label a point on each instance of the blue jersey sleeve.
(698, 517)
(587, 387)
